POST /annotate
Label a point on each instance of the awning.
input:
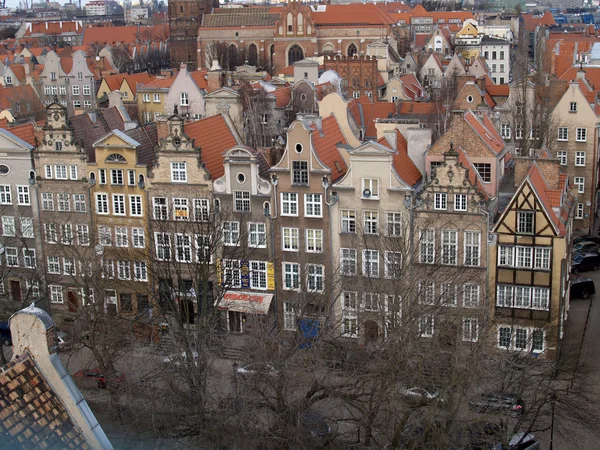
(245, 302)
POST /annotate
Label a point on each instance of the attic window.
(337, 166)
(470, 98)
(115, 158)
(487, 136)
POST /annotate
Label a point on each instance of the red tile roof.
(497, 90)
(531, 22)
(22, 94)
(473, 174)
(123, 35)
(53, 28)
(412, 87)
(114, 81)
(354, 14)
(546, 195)
(282, 96)
(157, 83)
(199, 77)
(19, 71)
(325, 143)
(23, 131)
(417, 108)
(421, 39)
(401, 162)
(592, 74)
(66, 63)
(214, 137)
(137, 78)
(486, 131)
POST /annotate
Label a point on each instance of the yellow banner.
(270, 276)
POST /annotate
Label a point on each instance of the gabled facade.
(431, 73)
(53, 82)
(497, 56)
(81, 84)
(185, 94)
(440, 42)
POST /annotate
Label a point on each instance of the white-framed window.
(371, 222)
(581, 135)
(47, 201)
(138, 238)
(505, 131)
(349, 314)
(60, 171)
(201, 209)
(156, 98)
(231, 233)
(131, 177)
(290, 239)
(471, 295)
(27, 227)
(470, 329)
(563, 133)
(370, 264)
(522, 297)
(506, 255)
(33, 287)
(300, 172)
(504, 296)
(53, 265)
(83, 235)
(116, 177)
(11, 256)
(162, 242)
(118, 201)
(104, 236)
(258, 274)
(370, 188)
(427, 292)
(183, 248)
(257, 235)
(231, 276)
(521, 339)
(160, 206)
(140, 271)
(64, 202)
(289, 204)
(426, 325)
(449, 254)
(101, 203)
(348, 261)
(394, 223)
(524, 257)
(472, 248)
(579, 211)
(241, 201)
(123, 270)
(540, 299)
(86, 89)
(315, 278)
(460, 202)
(48, 171)
(519, 131)
(290, 322)
(562, 157)
(146, 98)
(440, 201)
(370, 301)
(8, 226)
(393, 265)
(313, 205)
(69, 266)
(181, 209)
(121, 237)
(184, 99)
(102, 176)
(75, 89)
(79, 202)
(427, 246)
(572, 107)
(56, 294)
(23, 197)
(542, 258)
(87, 103)
(348, 220)
(580, 183)
(50, 232)
(179, 172)
(314, 241)
(525, 222)
(5, 195)
(29, 258)
(580, 159)
(291, 276)
(135, 205)
(66, 234)
(203, 249)
(449, 294)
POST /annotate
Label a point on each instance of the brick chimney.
(162, 129)
(549, 168)
(481, 83)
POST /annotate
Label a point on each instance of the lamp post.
(553, 403)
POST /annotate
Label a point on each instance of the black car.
(585, 246)
(497, 403)
(582, 287)
(5, 335)
(594, 239)
(585, 261)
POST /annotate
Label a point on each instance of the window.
(242, 201)
(53, 265)
(300, 172)
(349, 315)
(66, 234)
(315, 278)
(135, 205)
(79, 202)
(314, 241)
(83, 235)
(522, 296)
(23, 195)
(460, 202)
(537, 341)
(140, 271)
(289, 317)
(525, 222)
(485, 171)
(312, 205)
(184, 99)
(69, 266)
(29, 258)
(579, 211)
(562, 157)
(183, 248)
(257, 235)
(50, 233)
(520, 339)
(469, 330)
(102, 176)
(156, 98)
(427, 293)
(121, 237)
(201, 209)
(573, 107)
(563, 134)
(203, 249)
(348, 261)
(146, 98)
(370, 188)
(449, 247)
(47, 201)
(426, 322)
(179, 172)
(76, 103)
(163, 246)
(5, 195)
(180, 209)
(519, 131)
(440, 201)
(371, 222)
(56, 293)
(116, 177)
(524, 257)
(393, 265)
(104, 236)
(102, 203)
(118, 201)
(8, 226)
(348, 218)
(470, 296)
(449, 294)
(580, 159)
(472, 248)
(581, 135)
(64, 202)
(12, 256)
(290, 239)
(161, 208)
(27, 227)
(580, 183)
(371, 263)
(427, 246)
(394, 224)
(138, 238)
(541, 299)
(506, 255)
(291, 276)
(231, 233)
(75, 89)
(289, 204)
(504, 337)
(86, 89)
(542, 258)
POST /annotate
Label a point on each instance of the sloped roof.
(412, 87)
(114, 81)
(421, 39)
(87, 132)
(401, 162)
(123, 35)
(23, 131)
(199, 77)
(157, 83)
(545, 194)
(473, 174)
(531, 22)
(353, 14)
(66, 63)
(240, 17)
(19, 71)
(486, 131)
(213, 136)
(417, 108)
(364, 113)
(135, 79)
(497, 90)
(53, 28)
(147, 137)
(592, 74)
(19, 94)
(283, 96)
(325, 142)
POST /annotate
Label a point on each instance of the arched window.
(290, 23)
(328, 49)
(253, 55)
(352, 50)
(232, 57)
(115, 158)
(295, 53)
(271, 54)
(299, 21)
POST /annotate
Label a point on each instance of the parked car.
(421, 394)
(595, 239)
(315, 424)
(258, 368)
(524, 441)
(95, 377)
(499, 403)
(585, 261)
(585, 246)
(183, 358)
(5, 335)
(582, 287)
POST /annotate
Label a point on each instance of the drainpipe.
(334, 200)
(272, 217)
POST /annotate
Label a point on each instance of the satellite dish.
(366, 193)
(97, 58)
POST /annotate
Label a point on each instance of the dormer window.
(573, 107)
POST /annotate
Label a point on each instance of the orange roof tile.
(403, 165)
(214, 137)
(417, 108)
(66, 63)
(137, 78)
(19, 94)
(123, 35)
(546, 195)
(289, 70)
(486, 131)
(19, 71)
(325, 143)
(199, 77)
(531, 22)
(53, 28)
(23, 131)
(421, 39)
(473, 175)
(592, 74)
(157, 83)
(114, 81)
(412, 87)
(282, 96)
(497, 90)
(354, 14)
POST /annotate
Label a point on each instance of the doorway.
(371, 331)
(236, 321)
(15, 288)
(73, 301)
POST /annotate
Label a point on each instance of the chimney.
(162, 129)
(32, 329)
(390, 137)
(481, 83)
